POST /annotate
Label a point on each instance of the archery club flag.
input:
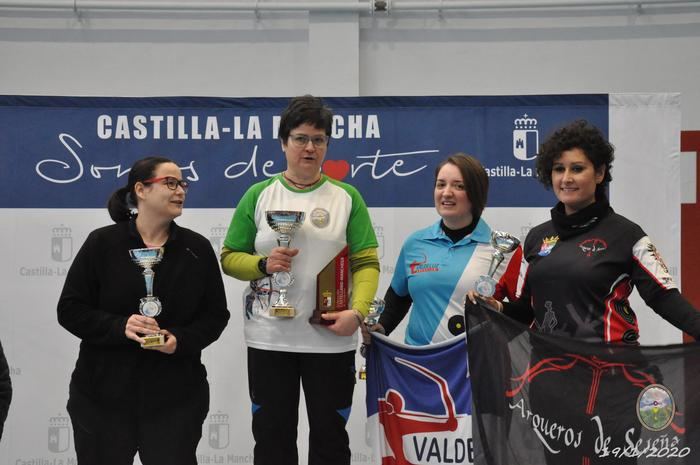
(542, 399)
(419, 402)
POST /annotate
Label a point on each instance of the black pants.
(328, 381)
(111, 435)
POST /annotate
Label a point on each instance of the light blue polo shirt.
(438, 273)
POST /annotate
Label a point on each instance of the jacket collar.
(134, 233)
(581, 221)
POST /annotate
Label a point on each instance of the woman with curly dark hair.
(582, 139)
(581, 267)
(583, 264)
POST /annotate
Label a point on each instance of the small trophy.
(503, 243)
(150, 305)
(375, 310)
(286, 223)
(332, 288)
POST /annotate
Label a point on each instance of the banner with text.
(72, 152)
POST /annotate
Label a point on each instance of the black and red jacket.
(580, 269)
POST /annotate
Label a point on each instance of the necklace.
(299, 185)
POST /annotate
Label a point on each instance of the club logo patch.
(655, 407)
(320, 217)
(548, 244)
(593, 246)
(423, 266)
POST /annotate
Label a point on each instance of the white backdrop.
(39, 245)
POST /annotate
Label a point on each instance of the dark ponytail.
(123, 200)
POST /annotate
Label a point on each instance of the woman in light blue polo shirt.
(439, 264)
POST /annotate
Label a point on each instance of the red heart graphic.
(336, 169)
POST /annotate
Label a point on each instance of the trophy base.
(362, 374)
(153, 340)
(317, 320)
(283, 311)
(486, 286)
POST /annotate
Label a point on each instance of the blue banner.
(73, 152)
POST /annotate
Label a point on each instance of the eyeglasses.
(301, 140)
(170, 181)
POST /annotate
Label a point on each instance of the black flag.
(542, 399)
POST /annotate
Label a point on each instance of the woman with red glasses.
(139, 384)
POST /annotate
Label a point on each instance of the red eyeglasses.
(169, 181)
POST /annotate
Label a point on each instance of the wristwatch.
(262, 266)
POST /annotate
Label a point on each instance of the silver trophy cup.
(503, 243)
(150, 305)
(375, 311)
(286, 223)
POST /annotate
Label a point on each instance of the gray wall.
(402, 53)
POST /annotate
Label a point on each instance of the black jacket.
(103, 288)
(5, 389)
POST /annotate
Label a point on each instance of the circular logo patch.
(320, 217)
(655, 407)
(456, 324)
